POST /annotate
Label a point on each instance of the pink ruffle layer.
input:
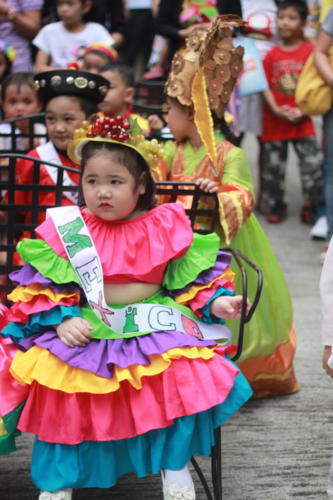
(185, 388)
(11, 392)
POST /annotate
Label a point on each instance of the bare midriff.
(129, 293)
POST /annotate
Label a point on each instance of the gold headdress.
(203, 74)
(117, 130)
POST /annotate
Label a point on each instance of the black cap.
(74, 82)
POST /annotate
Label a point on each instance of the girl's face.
(93, 62)
(63, 115)
(20, 101)
(118, 96)
(109, 189)
(71, 12)
(179, 120)
(3, 65)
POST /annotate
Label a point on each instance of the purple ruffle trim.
(99, 356)
(28, 275)
(222, 263)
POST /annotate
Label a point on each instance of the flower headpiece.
(204, 73)
(117, 130)
(8, 50)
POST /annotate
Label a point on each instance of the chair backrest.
(12, 140)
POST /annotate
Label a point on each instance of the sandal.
(173, 491)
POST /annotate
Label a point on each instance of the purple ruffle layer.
(99, 356)
(220, 266)
(28, 275)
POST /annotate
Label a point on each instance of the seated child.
(58, 42)
(19, 98)
(117, 100)
(202, 156)
(93, 57)
(68, 98)
(109, 388)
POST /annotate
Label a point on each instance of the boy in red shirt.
(283, 121)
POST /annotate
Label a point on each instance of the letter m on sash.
(75, 242)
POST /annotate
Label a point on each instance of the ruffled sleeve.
(200, 276)
(236, 198)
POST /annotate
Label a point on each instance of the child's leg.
(310, 165)
(274, 161)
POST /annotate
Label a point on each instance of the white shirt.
(62, 45)
(326, 296)
(138, 4)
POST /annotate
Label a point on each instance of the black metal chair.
(13, 138)
(13, 226)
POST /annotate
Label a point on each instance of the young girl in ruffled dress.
(111, 339)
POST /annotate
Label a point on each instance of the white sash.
(47, 152)
(133, 318)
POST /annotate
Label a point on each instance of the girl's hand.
(228, 306)
(207, 185)
(74, 332)
(155, 123)
(326, 354)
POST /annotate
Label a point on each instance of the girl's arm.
(26, 23)
(42, 61)
(321, 59)
(271, 102)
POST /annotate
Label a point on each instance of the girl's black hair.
(134, 163)
(299, 5)
(222, 125)
(19, 79)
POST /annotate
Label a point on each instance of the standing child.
(119, 375)
(201, 75)
(57, 43)
(326, 296)
(283, 121)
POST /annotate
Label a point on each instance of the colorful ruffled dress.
(117, 405)
(269, 343)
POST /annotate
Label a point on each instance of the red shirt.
(282, 68)
(24, 175)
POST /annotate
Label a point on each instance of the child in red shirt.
(283, 121)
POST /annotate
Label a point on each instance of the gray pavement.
(275, 448)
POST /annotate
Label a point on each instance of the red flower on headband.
(111, 128)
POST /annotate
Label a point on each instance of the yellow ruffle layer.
(48, 370)
(27, 293)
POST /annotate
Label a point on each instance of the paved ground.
(273, 449)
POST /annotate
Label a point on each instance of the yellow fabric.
(185, 297)
(202, 115)
(48, 370)
(3, 431)
(27, 293)
(313, 95)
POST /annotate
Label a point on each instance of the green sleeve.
(200, 256)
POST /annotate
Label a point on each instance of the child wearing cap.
(68, 98)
